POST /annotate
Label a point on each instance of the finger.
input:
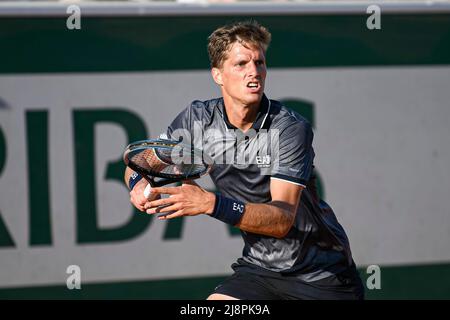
(139, 202)
(160, 202)
(141, 209)
(176, 214)
(138, 197)
(164, 209)
(137, 206)
(166, 190)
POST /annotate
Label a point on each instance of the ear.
(217, 76)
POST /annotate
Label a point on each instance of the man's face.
(242, 75)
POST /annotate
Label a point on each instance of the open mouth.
(253, 85)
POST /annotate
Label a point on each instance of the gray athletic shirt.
(278, 146)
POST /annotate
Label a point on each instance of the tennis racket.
(162, 161)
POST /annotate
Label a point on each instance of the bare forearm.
(271, 219)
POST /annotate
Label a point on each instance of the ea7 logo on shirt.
(238, 207)
(263, 161)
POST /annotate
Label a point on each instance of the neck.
(241, 116)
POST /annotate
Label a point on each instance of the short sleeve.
(182, 121)
(180, 127)
(294, 154)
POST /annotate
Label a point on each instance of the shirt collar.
(261, 117)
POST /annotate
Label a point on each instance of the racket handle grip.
(147, 190)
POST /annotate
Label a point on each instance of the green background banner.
(36, 45)
(403, 282)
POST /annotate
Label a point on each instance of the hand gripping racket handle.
(153, 184)
(147, 191)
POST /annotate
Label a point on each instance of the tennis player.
(294, 246)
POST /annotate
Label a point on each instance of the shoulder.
(203, 110)
(287, 120)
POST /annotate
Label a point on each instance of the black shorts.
(254, 283)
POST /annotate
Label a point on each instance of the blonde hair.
(248, 33)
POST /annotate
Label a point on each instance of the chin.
(253, 98)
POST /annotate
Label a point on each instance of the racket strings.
(157, 161)
(148, 160)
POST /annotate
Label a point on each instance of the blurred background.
(79, 80)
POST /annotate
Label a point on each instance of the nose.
(253, 69)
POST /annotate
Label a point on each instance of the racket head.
(167, 159)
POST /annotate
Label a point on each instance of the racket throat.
(158, 183)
